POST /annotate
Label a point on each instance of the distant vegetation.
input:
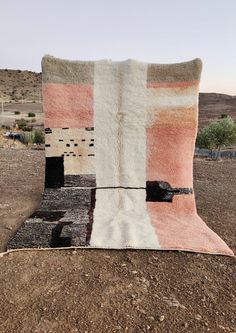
(35, 136)
(31, 114)
(21, 123)
(217, 135)
(6, 127)
(17, 112)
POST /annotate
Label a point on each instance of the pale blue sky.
(161, 31)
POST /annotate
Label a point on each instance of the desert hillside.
(213, 105)
(17, 84)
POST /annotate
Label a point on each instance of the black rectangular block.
(54, 173)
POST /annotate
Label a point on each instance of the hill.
(213, 105)
(17, 84)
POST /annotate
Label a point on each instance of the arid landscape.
(100, 291)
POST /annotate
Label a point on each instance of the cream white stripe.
(133, 131)
(106, 145)
(120, 216)
(172, 97)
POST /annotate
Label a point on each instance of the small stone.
(8, 227)
(148, 327)
(198, 317)
(151, 318)
(134, 272)
(161, 318)
(186, 325)
(74, 252)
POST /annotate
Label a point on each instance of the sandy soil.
(67, 291)
(8, 116)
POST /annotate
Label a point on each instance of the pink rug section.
(175, 229)
(167, 163)
(68, 105)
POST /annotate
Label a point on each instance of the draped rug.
(119, 142)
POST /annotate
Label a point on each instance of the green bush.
(223, 115)
(39, 136)
(218, 134)
(27, 129)
(21, 123)
(31, 114)
(35, 136)
(6, 127)
(17, 112)
(33, 120)
(27, 138)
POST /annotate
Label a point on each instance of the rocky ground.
(79, 291)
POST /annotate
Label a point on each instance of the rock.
(161, 318)
(8, 227)
(173, 302)
(198, 317)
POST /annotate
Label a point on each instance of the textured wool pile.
(120, 140)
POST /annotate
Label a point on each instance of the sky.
(159, 31)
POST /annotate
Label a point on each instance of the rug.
(119, 143)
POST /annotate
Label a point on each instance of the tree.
(218, 134)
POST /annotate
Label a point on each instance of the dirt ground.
(102, 291)
(8, 116)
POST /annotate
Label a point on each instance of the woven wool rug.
(120, 140)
